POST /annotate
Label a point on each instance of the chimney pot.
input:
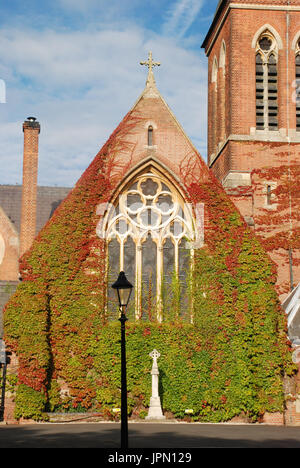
(31, 122)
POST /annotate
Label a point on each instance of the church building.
(212, 250)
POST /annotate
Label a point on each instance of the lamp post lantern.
(123, 290)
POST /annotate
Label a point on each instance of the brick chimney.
(31, 129)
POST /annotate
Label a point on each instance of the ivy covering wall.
(230, 361)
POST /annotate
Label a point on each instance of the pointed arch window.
(269, 195)
(147, 232)
(297, 85)
(222, 113)
(214, 79)
(266, 83)
(150, 135)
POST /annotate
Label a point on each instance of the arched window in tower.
(266, 83)
(222, 112)
(147, 232)
(297, 86)
(213, 123)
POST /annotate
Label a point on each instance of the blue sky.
(74, 64)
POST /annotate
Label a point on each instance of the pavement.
(148, 435)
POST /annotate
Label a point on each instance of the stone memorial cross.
(155, 411)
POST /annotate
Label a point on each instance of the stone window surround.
(273, 205)
(148, 124)
(214, 71)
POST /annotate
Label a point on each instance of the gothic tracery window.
(147, 232)
(266, 83)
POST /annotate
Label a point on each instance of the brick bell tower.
(31, 129)
(253, 50)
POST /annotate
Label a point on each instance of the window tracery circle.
(266, 45)
(149, 206)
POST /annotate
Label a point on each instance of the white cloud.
(62, 59)
(102, 10)
(11, 148)
(181, 16)
(80, 84)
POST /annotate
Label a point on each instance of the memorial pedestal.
(155, 411)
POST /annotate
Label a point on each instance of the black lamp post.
(123, 290)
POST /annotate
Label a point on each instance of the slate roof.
(48, 199)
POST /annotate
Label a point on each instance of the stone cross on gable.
(150, 64)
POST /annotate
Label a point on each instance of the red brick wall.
(247, 156)
(9, 266)
(219, 125)
(171, 148)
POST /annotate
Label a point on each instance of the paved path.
(148, 435)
